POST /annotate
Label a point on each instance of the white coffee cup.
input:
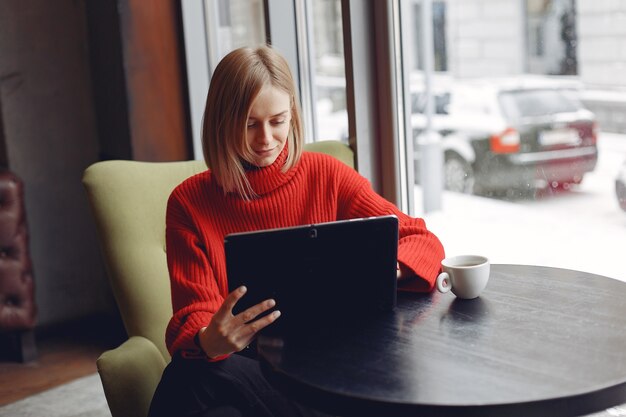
(465, 275)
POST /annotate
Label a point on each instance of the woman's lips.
(264, 152)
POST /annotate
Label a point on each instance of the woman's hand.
(227, 333)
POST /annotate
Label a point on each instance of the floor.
(65, 352)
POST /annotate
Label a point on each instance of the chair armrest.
(130, 374)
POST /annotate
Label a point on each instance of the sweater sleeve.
(195, 292)
(418, 248)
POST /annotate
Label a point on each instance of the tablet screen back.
(319, 272)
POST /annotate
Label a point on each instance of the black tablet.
(318, 272)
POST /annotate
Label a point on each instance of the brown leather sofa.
(18, 309)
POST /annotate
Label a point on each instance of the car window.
(535, 103)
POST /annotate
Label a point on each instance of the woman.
(259, 178)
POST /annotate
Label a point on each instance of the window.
(515, 127)
(312, 29)
(552, 39)
(212, 28)
(328, 78)
(439, 35)
(524, 117)
(526, 104)
(233, 24)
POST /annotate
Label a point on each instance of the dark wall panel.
(50, 137)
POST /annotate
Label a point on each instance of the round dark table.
(539, 341)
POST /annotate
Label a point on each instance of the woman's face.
(268, 125)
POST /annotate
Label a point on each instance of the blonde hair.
(238, 79)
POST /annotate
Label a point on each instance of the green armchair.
(128, 200)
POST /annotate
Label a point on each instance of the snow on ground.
(507, 232)
(581, 229)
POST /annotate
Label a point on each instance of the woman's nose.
(265, 134)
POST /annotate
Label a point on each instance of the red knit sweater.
(318, 189)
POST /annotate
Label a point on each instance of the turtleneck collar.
(266, 179)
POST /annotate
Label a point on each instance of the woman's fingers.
(244, 334)
(251, 324)
(227, 333)
(226, 309)
(251, 329)
(251, 313)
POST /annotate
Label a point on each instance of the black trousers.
(228, 388)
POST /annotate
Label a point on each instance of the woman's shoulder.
(327, 169)
(194, 184)
(318, 160)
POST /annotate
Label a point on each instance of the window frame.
(371, 80)
(373, 73)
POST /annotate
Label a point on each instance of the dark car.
(620, 186)
(523, 133)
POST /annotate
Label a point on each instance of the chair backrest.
(334, 148)
(128, 201)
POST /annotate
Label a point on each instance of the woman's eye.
(251, 125)
(279, 121)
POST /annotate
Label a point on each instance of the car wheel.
(459, 176)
